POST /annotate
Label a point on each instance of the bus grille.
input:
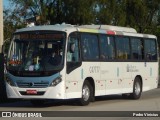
(32, 84)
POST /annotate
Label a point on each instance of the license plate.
(31, 92)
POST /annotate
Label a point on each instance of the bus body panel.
(110, 77)
(114, 79)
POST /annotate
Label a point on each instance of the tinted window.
(137, 48)
(36, 51)
(123, 49)
(107, 47)
(89, 46)
(73, 48)
(150, 49)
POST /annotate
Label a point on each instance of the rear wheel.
(137, 89)
(87, 94)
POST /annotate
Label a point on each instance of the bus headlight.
(9, 81)
(56, 81)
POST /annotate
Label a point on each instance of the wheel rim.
(85, 93)
(137, 88)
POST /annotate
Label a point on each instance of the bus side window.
(137, 49)
(123, 49)
(85, 51)
(90, 49)
(107, 50)
(150, 49)
(73, 49)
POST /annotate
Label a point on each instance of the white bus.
(67, 62)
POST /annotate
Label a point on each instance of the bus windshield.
(36, 52)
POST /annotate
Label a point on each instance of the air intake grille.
(32, 84)
(38, 93)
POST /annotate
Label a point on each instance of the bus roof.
(110, 27)
(56, 27)
(104, 29)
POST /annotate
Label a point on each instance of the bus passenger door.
(73, 64)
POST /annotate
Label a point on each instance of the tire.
(87, 94)
(37, 102)
(137, 89)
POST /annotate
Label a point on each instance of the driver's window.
(73, 48)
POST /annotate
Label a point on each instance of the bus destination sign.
(26, 36)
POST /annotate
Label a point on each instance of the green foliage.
(11, 22)
(143, 15)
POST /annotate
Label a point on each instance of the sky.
(5, 3)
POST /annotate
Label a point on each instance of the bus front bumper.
(41, 93)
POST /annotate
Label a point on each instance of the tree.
(33, 8)
(106, 11)
(141, 14)
(12, 22)
(79, 12)
(57, 11)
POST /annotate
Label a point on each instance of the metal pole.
(1, 25)
(2, 85)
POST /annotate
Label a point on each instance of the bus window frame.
(72, 65)
(37, 73)
(114, 47)
(142, 50)
(125, 60)
(90, 60)
(156, 45)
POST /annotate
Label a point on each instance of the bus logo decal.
(31, 84)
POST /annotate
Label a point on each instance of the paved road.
(150, 101)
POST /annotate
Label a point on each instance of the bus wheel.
(137, 89)
(37, 102)
(87, 93)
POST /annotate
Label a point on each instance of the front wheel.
(137, 89)
(87, 93)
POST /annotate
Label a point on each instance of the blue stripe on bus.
(150, 72)
(48, 79)
(81, 73)
(117, 72)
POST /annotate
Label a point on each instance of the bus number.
(94, 69)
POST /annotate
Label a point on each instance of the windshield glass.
(36, 51)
